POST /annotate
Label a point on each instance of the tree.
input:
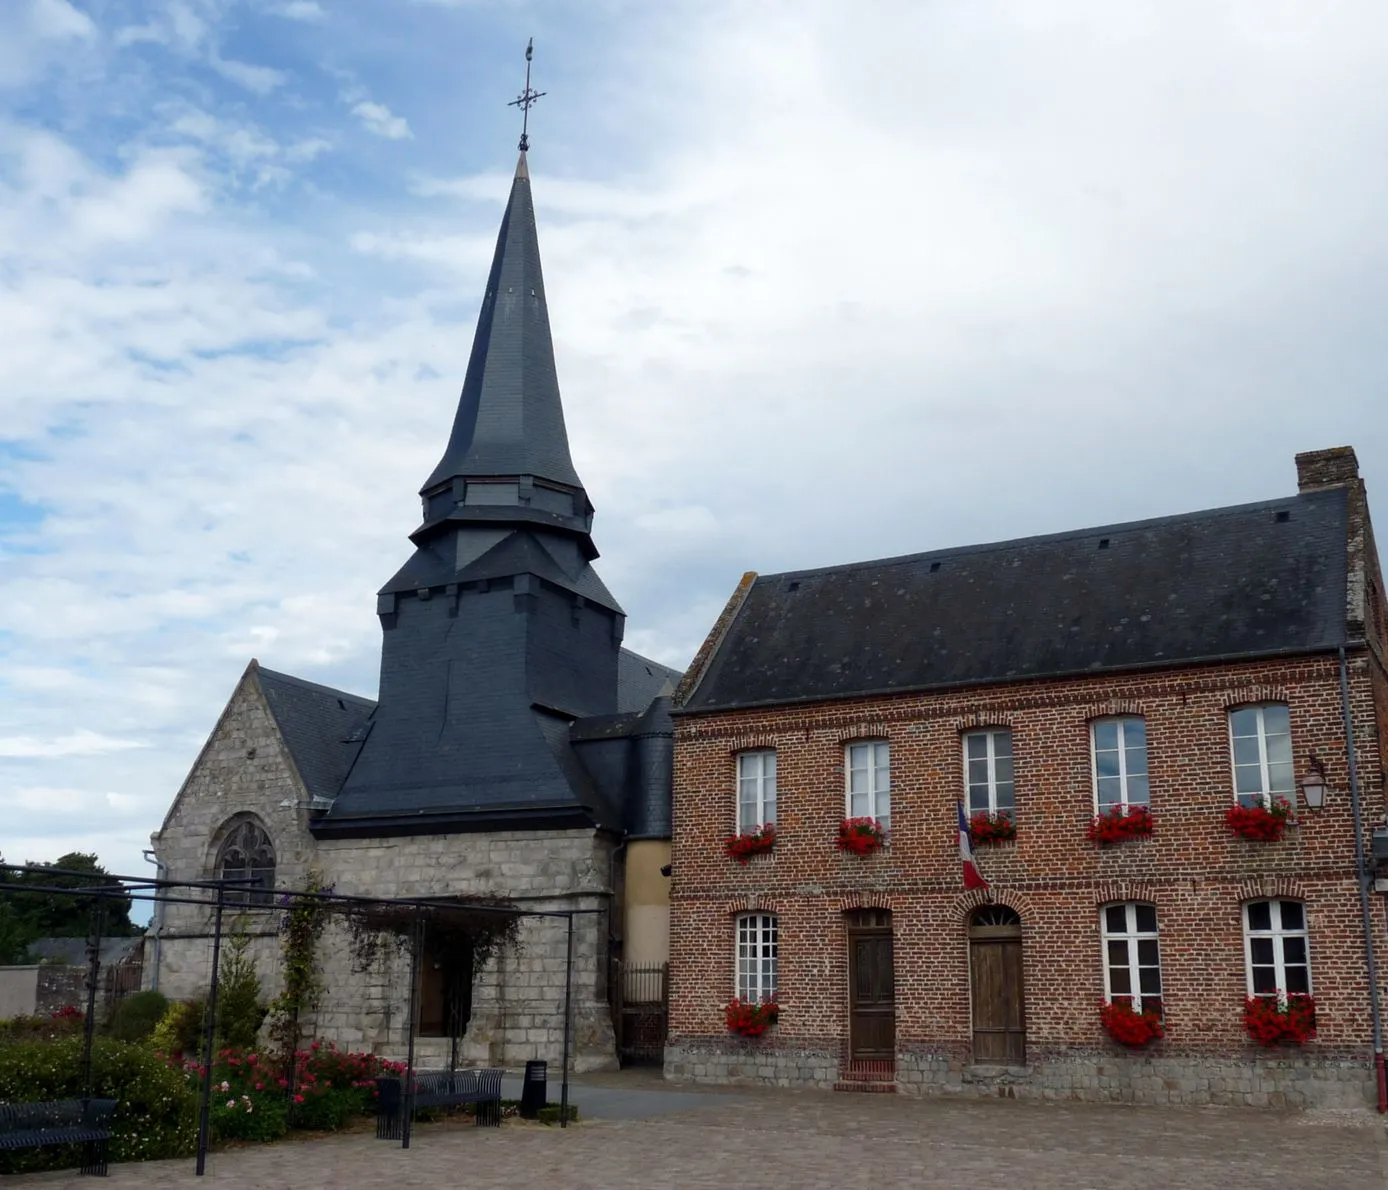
(59, 915)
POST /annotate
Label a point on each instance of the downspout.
(160, 869)
(1361, 868)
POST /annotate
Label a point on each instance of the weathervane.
(526, 98)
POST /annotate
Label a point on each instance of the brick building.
(1186, 665)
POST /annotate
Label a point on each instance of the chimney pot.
(1326, 468)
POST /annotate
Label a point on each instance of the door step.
(871, 1086)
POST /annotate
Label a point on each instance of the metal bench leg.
(94, 1158)
(387, 1123)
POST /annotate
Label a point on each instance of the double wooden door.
(996, 979)
(871, 987)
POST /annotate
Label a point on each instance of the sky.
(827, 281)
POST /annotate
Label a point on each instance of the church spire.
(510, 423)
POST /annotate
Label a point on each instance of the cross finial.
(526, 99)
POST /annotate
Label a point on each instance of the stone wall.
(1278, 1079)
(517, 1000)
(60, 987)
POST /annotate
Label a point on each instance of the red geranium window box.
(749, 1018)
(1119, 823)
(1270, 1020)
(745, 844)
(1262, 824)
(1128, 1025)
(861, 836)
(985, 827)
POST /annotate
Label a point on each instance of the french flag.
(973, 878)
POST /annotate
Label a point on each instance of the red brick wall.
(1193, 868)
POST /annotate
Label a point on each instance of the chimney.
(1328, 468)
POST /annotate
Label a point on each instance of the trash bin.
(534, 1089)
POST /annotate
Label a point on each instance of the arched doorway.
(995, 977)
(871, 988)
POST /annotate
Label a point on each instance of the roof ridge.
(1065, 535)
(305, 684)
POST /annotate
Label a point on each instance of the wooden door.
(871, 987)
(999, 1002)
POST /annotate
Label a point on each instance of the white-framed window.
(1120, 762)
(1260, 746)
(988, 771)
(1276, 948)
(756, 789)
(868, 768)
(756, 957)
(1132, 957)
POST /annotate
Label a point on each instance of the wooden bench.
(60, 1122)
(458, 1088)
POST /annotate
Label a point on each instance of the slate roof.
(641, 680)
(322, 727)
(509, 419)
(1238, 582)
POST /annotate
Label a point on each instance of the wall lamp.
(1313, 783)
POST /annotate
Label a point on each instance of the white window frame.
(990, 734)
(1131, 935)
(754, 957)
(756, 769)
(1279, 935)
(1267, 793)
(879, 798)
(1122, 722)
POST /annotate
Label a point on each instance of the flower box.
(985, 828)
(748, 1018)
(861, 836)
(1270, 1020)
(1120, 823)
(745, 844)
(1262, 824)
(1127, 1026)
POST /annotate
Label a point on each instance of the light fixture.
(1313, 784)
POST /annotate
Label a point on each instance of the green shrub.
(42, 1028)
(137, 1015)
(325, 1111)
(550, 1113)
(156, 1111)
(179, 1030)
(239, 1011)
(248, 1116)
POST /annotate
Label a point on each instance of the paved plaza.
(649, 1138)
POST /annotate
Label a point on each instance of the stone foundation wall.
(1309, 1079)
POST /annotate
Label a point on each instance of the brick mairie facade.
(1051, 887)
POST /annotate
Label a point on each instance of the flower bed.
(744, 845)
(1120, 823)
(1127, 1026)
(1262, 824)
(861, 836)
(985, 828)
(1269, 1020)
(748, 1018)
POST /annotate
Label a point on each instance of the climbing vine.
(301, 927)
(479, 924)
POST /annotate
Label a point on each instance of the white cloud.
(377, 118)
(58, 19)
(77, 743)
(301, 10)
(260, 79)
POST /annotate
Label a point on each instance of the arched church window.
(247, 857)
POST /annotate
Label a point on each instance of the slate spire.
(510, 422)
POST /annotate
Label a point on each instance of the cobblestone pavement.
(808, 1140)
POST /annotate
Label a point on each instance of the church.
(516, 750)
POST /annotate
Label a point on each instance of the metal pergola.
(213, 895)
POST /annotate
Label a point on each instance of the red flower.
(1269, 1020)
(1263, 824)
(861, 836)
(991, 828)
(1127, 1026)
(1119, 823)
(298, 1098)
(746, 844)
(748, 1018)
